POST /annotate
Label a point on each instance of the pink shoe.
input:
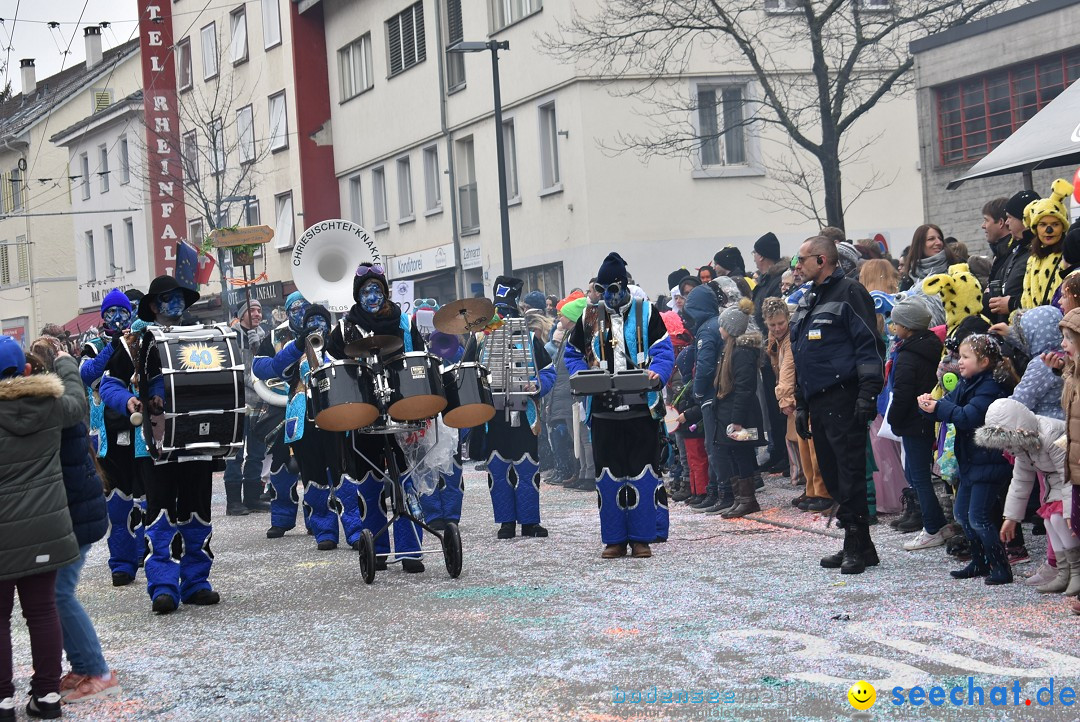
(1042, 575)
(1074, 605)
(69, 682)
(94, 688)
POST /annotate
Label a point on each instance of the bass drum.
(468, 396)
(202, 390)
(416, 387)
(343, 396)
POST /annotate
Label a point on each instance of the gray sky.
(29, 35)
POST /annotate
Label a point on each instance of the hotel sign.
(161, 117)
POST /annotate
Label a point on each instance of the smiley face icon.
(862, 695)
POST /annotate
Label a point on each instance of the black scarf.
(386, 322)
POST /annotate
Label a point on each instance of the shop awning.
(83, 322)
(1049, 140)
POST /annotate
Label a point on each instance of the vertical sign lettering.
(165, 170)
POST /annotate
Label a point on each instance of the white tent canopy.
(1049, 140)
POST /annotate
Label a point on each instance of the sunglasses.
(804, 259)
(612, 288)
(365, 268)
(424, 303)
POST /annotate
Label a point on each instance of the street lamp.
(500, 152)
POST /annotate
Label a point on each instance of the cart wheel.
(367, 556)
(451, 545)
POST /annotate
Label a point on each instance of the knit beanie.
(847, 257)
(677, 275)
(768, 246)
(735, 319)
(366, 272)
(911, 313)
(730, 259)
(1071, 321)
(1016, 205)
(317, 310)
(115, 297)
(293, 298)
(612, 270)
(535, 299)
(574, 309)
(134, 294)
(244, 307)
(12, 358)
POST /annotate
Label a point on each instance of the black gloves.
(802, 422)
(865, 411)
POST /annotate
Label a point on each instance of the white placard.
(401, 293)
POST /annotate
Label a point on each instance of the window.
(125, 161)
(91, 263)
(5, 265)
(467, 198)
(195, 233)
(505, 12)
(974, 116)
(238, 46)
(549, 147)
(279, 122)
(356, 201)
(782, 6)
(875, 4)
(721, 125)
(283, 224)
(405, 38)
(209, 51)
(110, 253)
(129, 241)
(378, 189)
(17, 190)
(183, 64)
(191, 156)
(103, 167)
(404, 190)
(252, 215)
(84, 160)
(455, 33)
(217, 143)
(513, 192)
(245, 133)
(271, 17)
(432, 179)
(354, 64)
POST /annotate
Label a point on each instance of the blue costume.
(512, 462)
(443, 504)
(121, 449)
(625, 430)
(178, 557)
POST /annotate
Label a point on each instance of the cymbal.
(466, 315)
(370, 345)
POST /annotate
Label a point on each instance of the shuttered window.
(405, 39)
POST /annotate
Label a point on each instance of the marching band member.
(630, 334)
(177, 492)
(121, 449)
(513, 458)
(375, 313)
(443, 505)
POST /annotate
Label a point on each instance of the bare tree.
(820, 65)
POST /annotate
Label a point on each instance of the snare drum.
(204, 405)
(343, 396)
(416, 387)
(468, 396)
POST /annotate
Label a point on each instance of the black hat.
(612, 270)
(507, 291)
(369, 272)
(768, 246)
(1071, 252)
(133, 294)
(674, 277)
(730, 258)
(317, 310)
(1016, 205)
(160, 285)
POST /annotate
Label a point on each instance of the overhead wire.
(10, 43)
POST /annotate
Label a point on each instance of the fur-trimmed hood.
(1013, 427)
(20, 411)
(750, 339)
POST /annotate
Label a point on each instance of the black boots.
(507, 530)
(745, 500)
(911, 517)
(977, 567)
(858, 553)
(991, 563)
(680, 490)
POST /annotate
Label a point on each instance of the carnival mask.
(171, 304)
(372, 297)
(116, 318)
(614, 296)
(296, 313)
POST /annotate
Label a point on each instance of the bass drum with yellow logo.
(202, 389)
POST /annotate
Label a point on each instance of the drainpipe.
(459, 274)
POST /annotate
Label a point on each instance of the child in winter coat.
(1070, 401)
(37, 538)
(1012, 427)
(913, 372)
(984, 378)
(691, 431)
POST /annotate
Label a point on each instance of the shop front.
(431, 272)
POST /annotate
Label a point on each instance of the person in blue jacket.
(178, 492)
(120, 448)
(630, 334)
(443, 505)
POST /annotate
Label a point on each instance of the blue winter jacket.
(703, 308)
(85, 494)
(965, 408)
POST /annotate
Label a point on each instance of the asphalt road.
(728, 620)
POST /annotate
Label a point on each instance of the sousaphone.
(325, 258)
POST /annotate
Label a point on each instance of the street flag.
(206, 267)
(187, 262)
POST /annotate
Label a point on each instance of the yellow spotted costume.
(1043, 275)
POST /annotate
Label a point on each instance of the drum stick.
(136, 418)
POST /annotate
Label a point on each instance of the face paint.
(372, 296)
(116, 318)
(135, 308)
(296, 313)
(171, 304)
(317, 324)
